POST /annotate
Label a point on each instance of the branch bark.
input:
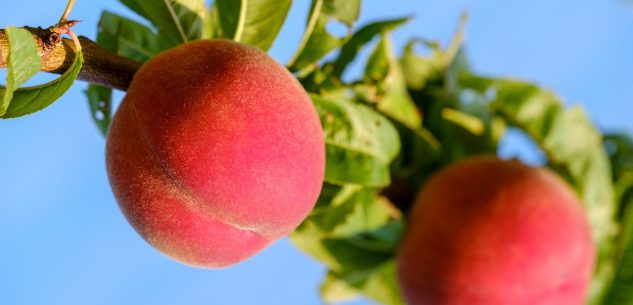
(100, 67)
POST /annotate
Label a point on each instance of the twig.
(67, 11)
(100, 67)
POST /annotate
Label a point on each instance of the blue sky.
(64, 241)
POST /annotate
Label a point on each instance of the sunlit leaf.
(254, 22)
(383, 70)
(379, 284)
(32, 99)
(352, 211)
(418, 69)
(23, 62)
(317, 41)
(360, 143)
(360, 39)
(620, 150)
(178, 21)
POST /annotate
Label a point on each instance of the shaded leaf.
(420, 151)
(620, 292)
(359, 264)
(360, 252)
(100, 101)
(620, 150)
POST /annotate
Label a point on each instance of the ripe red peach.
(215, 152)
(486, 231)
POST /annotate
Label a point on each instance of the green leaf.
(469, 131)
(418, 69)
(620, 149)
(360, 39)
(32, 99)
(340, 254)
(346, 12)
(336, 290)
(620, 292)
(128, 38)
(100, 101)
(254, 22)
(352, 211)
(573, 146)
(22, 64)
(317, 41)
(383, 70)
(178, 21)
(360, 143)
(420, 152)
(363, 263)
(360, 252)
(379, 284)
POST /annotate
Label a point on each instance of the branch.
(100, 67)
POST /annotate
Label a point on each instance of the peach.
(486, 231)
(215, 152)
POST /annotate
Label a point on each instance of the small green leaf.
(472, 124)
(352, 211)
(128, 38)
(32, 99)
(418, 69)
(360, 252)
(379, 284)
(360, 39)
(23, 63)
(336, 290)
(383, 70)
(100, 101)
(254, 22)
(363, 263)
(317, 41)
(178, 21)
(360, 143)
(340, 254)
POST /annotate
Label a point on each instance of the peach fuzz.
(215, 152)
(486, 231)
